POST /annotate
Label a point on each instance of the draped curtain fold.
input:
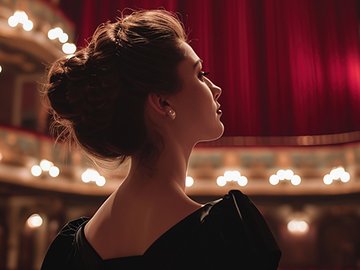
(286, 67)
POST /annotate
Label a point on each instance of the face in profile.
(196, 104)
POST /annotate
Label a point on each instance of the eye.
(202, 74)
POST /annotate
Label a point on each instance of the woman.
(138, 91)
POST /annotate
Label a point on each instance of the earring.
(172, 114)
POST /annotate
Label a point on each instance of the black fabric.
(229, 233)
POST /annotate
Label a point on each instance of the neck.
(166, 173)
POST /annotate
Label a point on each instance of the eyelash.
(203, 74)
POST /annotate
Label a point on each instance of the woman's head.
(98, 96)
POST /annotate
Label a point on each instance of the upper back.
(131, 227)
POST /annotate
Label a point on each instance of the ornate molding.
(21, 149)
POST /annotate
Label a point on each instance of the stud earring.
(172, 114)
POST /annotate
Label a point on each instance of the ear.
(157, 103)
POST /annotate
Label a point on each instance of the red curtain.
(286, 67)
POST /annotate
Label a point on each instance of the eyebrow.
(197, 62)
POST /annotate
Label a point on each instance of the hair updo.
(97, 97)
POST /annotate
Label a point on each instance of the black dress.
(229, 233)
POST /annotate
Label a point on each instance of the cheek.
(196, 99)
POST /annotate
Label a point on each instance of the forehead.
(190, 59)
(189, 53)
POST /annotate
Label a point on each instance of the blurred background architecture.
(290, 74)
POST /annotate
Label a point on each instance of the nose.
(216, 90)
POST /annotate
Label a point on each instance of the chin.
(221, 132)
(215, 134)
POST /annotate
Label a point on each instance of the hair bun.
(97, 97)
(68, 78)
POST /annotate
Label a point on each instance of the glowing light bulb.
(295, 180)
(52, 34)
(345, 177)
(69, 48)
(327, 179)
(36, 170)
(274, 180)
(89, 175)
(337, 172)
(242, 181)
(34, 221)
(28, 25)
(288, 174)
(100, 181)
(281, 174)
(21, 16)
(12, 21)
(63, 37)
(46, 165)
(189, 181)
(54, 171)
(221, 181)
(297, 226)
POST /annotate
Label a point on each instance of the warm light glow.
(0, 68)
(285, 174)
(242, 181)
(12, 21)
(337, 174)
(91, 175)
(274, 180)
(298, 226)
(345, 177)
(235, 176)
(189, 181)
(63, 38)
(1, 156)
(46, 165)
(54, 171)
(52, 34)
(68, 48)
(36, 170)
(221, 181)
(34, 221)
(289, 174)
(100, 181)
(295, 180)
(20, 17)
(28, 25)
(232, 176)
(281, 174)
(55, 33)
(327, 179)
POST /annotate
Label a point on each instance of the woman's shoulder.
(62, 252)
(233, 226)
(234, 206)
